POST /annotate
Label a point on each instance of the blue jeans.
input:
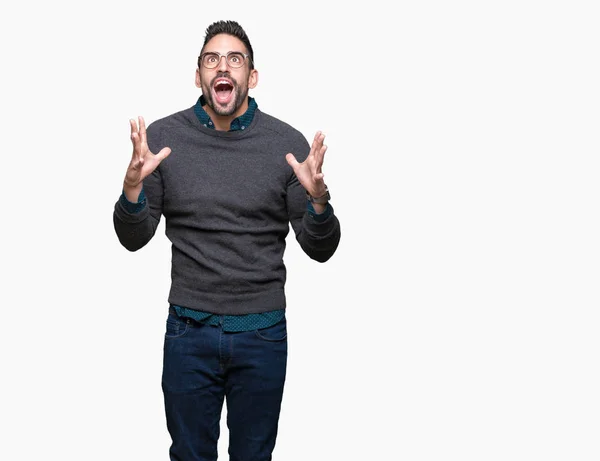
(203, 365)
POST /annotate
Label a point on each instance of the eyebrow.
(230, 51)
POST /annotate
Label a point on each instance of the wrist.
(320, 198)
(319, 207)
(132, 192)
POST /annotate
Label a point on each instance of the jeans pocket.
(274, 333)
(176, 327)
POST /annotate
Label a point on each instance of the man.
(229, 179)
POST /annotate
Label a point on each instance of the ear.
(253, 79)
(198, 80)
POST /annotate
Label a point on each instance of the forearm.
(133, 222)
(320, 235)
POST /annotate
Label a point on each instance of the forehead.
(224, 43)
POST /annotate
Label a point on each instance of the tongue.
(224, 96)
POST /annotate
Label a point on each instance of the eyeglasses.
(211, 59)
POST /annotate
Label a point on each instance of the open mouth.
(223, 90)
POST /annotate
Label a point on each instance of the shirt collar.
(239, 123)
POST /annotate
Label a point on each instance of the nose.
(222, 64)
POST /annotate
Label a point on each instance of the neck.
(223, 122)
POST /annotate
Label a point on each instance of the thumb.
(292, 161)
(163, 154)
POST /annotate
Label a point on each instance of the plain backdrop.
(458, 319)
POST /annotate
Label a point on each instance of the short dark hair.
(230, 28)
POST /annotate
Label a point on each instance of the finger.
(319, 146)
(292, 161)
(133, 125)
(319, 138)
(142, 129)
(320, 157)
(135, 140)
(155, 160)
(314, 147)
(163, 154)
(137, 163)
(134, 130)
(318, 177)
(321, 141)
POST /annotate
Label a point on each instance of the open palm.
(143, 162)
(309, 172)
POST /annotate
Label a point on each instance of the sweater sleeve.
(317, 235)
(135, 227)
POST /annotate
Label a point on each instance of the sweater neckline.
(237, 134)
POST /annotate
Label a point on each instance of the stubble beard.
(225, 111)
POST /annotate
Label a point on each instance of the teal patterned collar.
(239, 123)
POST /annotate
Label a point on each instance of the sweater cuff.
(131, 207)
(318, 217)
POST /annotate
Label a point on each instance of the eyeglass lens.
(234, 59)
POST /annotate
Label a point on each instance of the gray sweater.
(227, 199)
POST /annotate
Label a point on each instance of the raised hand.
(309, 172)
(143, 162)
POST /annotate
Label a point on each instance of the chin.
(225, 111)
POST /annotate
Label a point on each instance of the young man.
(228, 179)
